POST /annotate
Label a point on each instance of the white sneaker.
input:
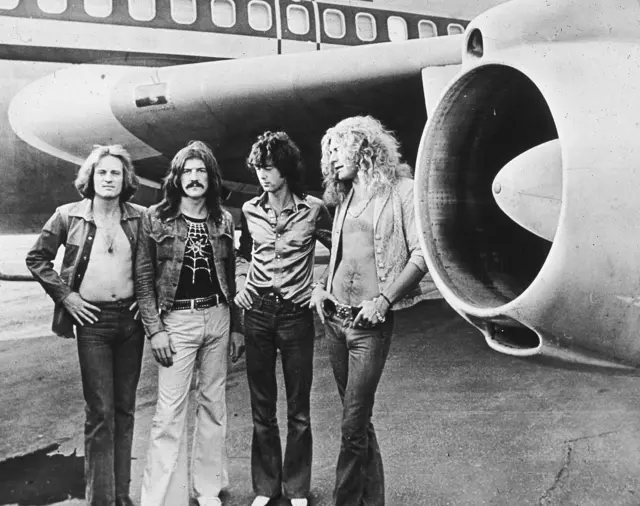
(299, 502)
(209, 501)
(261, 500)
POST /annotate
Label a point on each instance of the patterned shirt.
(198, 275)
(280, 250)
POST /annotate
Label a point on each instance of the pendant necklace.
(109, 234)
(359, 207)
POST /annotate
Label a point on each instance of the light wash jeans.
(201, 340)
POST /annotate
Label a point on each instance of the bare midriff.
(356, 278)
(109, 275)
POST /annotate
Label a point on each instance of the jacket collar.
(84, 210)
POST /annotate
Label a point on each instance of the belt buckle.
(343, 311)
(193, 304)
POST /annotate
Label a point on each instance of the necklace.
(359, 207)
(109, 233)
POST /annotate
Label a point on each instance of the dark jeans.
(110, 353)
(273, 324)
(358, 357)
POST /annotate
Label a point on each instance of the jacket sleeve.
(145, 265)
(243, 255)
(236, 324)
(40, 258)
(410, 228)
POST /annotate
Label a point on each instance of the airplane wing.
(155, 112)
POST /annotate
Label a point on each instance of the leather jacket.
(72, 226)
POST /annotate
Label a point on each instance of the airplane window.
(223, 12)
(52, 6)
(183, 11)
(334, 25)
(8, 4)
(142, 10)
(397, 28)
(455, 29)
(259, 15)
(366, 27)
(427, 29)
(298, 19)
(98, 8)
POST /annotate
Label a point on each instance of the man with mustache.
(94, 296)
(185, 281)
(279, 233)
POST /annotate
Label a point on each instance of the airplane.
(526, 170)
(527, 182)
(45, 38)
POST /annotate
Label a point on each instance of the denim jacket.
(395, 240)
(159, 258)
(72, 225)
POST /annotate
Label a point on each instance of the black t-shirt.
(198, 275)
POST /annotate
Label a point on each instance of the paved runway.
(458, 423)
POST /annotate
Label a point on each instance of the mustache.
(194, 184)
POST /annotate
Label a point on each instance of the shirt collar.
(298, 202)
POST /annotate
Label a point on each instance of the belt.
(201, 303)
(341, 310)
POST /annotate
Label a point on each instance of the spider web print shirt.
(198, 275)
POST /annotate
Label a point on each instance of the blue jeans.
(110, 353)
(358, 357)
(274, 324)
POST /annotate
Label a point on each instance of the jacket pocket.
(164, 244)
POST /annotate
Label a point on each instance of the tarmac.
(458, 424)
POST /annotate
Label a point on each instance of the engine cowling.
(547, 94)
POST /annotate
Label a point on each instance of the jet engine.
(528, 181)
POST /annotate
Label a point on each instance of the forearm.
(39, 261)
(407, 279)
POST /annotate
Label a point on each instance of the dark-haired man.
(94, 293)
(185, 278)
(279, 233)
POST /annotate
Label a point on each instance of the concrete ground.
(458, 423)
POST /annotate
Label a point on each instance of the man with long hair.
(185, 280)
(279, 232)
(94, 296)
(375, 263)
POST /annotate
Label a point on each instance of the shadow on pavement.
(40, 478)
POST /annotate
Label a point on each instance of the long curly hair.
(84, 180)
(277, 149)
(173, 191)
(369, 146)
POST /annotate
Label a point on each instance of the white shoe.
(299, 502)
(261, 500)
(209, 501)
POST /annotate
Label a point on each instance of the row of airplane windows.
(259, 15)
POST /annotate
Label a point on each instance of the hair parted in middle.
(277, 149)
(369, 146)
(172, 188)
(84, 180)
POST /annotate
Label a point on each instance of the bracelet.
(386, 298)
(316, 285)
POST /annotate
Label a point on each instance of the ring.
(381, 318)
